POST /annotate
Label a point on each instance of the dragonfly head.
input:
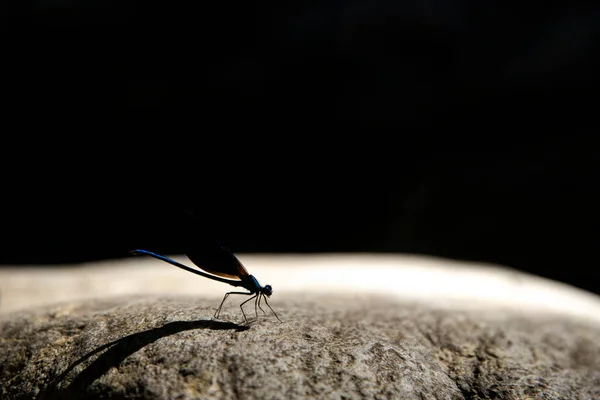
(267, 290)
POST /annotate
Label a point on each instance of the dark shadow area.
(461, 129)
(117, 351)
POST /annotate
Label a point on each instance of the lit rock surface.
(122, 335)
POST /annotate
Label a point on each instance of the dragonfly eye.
(268, 290)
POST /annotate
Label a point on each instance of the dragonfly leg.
(259, 298)
(242, 308)
(223, 301)
(274, 313)
(221, 305)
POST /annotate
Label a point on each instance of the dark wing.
(216, 259)
(207, 253)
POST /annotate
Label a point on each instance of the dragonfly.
(222, 265)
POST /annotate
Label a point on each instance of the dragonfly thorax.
(251, 284)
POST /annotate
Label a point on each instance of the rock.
(339, 346)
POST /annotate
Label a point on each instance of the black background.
(462, 130)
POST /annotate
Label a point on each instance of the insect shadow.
(117, 351)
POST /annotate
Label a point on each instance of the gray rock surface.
(337, 346)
